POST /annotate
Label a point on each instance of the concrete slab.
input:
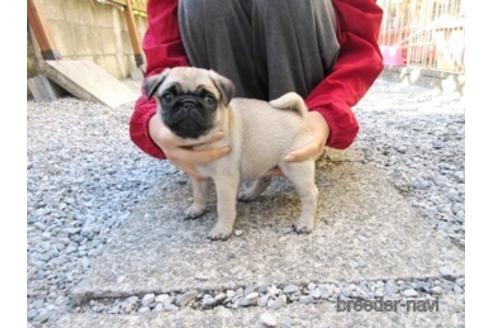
(451, 314)
(137, 74)
(366, 231)
(136, 86)
(86, 80)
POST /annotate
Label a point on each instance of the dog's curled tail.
(290, 101)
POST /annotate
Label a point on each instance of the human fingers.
(308, 151)
(200, 156)
(188, 169)
(210, 139)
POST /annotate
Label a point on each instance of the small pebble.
(220, 297)
(208, 301)
(144, 309)
(290, 289)
(457, 289)
(230, 294)
(391, 288)
(277, 303)
(42, 316)
(31, 314)
(268, 320)
(446, 273)
(148, 299)
(201, 277)
(186, 298)
(316, 293)
(273, 290)
(326, 290)
(249, 290)
(410, 293)
(379, 293)
(250, 299)
(162, 298)
(306, 299)
(263, 301)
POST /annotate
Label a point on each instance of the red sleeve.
(357, 67)
(163, 48)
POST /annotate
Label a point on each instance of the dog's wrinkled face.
(189, 99)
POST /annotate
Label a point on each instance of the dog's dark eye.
(167, 97)
(210, 100)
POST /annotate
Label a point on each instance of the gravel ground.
(275, 296)
(85, 176)
(418, 138)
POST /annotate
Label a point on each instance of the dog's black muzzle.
(188, 116)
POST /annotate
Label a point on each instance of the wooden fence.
(424, 33)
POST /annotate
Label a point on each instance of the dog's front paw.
(304, 225)
(194, 211)
(220, 232)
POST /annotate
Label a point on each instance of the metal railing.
(424, 33)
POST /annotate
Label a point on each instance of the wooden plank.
(41, 31)
(43, 89)
(87, 81)
(118, 2)
(132, 30)
(139, 5)
(130, 10)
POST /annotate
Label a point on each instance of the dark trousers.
(266, 47)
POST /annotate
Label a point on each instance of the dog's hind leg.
(255, 190)
(301, 174)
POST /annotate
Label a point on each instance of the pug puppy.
(196, 103)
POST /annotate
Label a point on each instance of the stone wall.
(86, 29)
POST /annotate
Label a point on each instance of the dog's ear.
(225, 86)
(151, 84)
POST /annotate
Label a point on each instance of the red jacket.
(358, 65)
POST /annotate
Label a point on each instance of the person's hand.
(179, 152)
(320, 131)
(314, 149)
